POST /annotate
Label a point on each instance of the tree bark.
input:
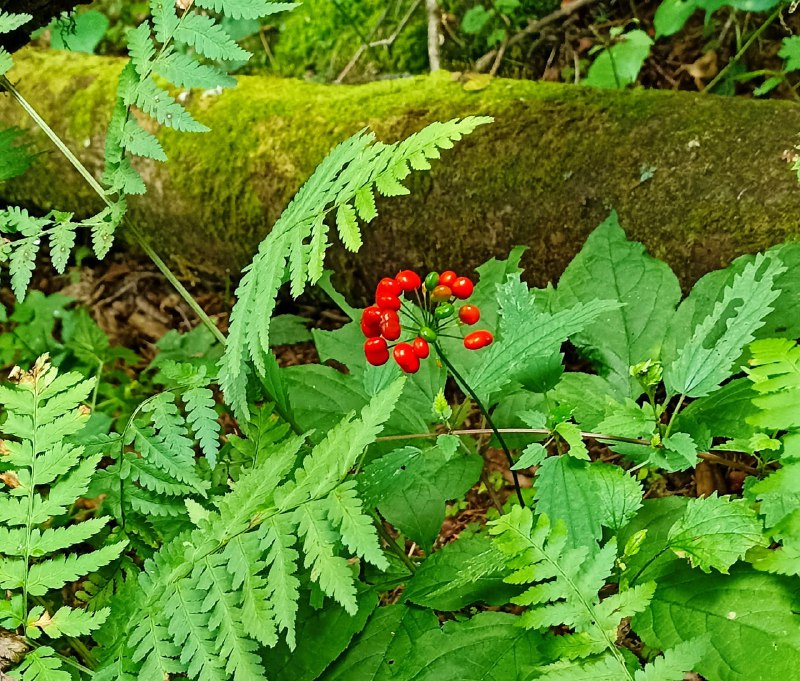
(698, 179)
(42, 11)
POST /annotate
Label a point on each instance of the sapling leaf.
(609, 267)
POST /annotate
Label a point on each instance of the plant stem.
(756, 34)
(97, 187)
(488, 418)
(392, 544)
(706, 456)
(675, 413)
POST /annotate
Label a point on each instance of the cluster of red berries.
(391, 314)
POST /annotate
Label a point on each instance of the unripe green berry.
(428, 334)
(443, 311)
(431, 281)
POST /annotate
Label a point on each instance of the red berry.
(462, 288)
(377, 351)
(387, 302)
(469, 314)
(388, 287)
(421, 348)
(447, 278)
(390, 325)
(405, 358)
(371, 322)
(478, 339)
(408, 280)
(441, 293)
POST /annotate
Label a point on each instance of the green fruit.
(431, 281)
(443, 311)
(428, 334)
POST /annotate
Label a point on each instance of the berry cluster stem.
(456, 375)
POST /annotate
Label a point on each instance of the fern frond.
(223, 589)
(355, 167)
(246, 9)
(775, 372)
(564, 589)
(209, 38)
(42, 411)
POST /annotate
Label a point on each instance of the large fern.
(564, 591)
(344, 184)
(212, 597)
(153, 48)
(45, 474)
(157, 472)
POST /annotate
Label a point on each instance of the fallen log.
(698, 179)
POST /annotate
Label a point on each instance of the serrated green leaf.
(586, 497)
(209, 38)
(715, 532)
(750, 619)
(609, 267)
(707, 357)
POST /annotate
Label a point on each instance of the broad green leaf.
(527, 335)
(790, 51)
(410, 486)
(589, 397)
(750, 619)
(586, 497)
(15, 158)
(379, 652)
(609, 267)
(81, 33)
(436, 584)
(724, 413)
(715, 532)
(322, 635)
(656, 517)
(707, 356)
(618, 66)
(490, 647)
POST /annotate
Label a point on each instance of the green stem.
(756, 34)
(675, 413)
(488, 418)
(97, 187)
(393, 545)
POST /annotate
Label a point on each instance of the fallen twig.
(533, 27)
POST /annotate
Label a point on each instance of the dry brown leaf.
(10, 478)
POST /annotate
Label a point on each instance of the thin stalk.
(672, 418)
(756, 35)
(393, 545)
(488, 418)
(97, 187)
(706, 456)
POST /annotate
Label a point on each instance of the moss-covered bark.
(697, 179)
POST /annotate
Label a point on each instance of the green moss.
(698, 179)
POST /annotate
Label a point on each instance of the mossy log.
(698, 179)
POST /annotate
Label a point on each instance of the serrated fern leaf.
(159, 104)
(353, 168)
(242, 562)
(246, 9)
(564, 584)
(675, 663)
(209, 38)
(775, 372)
(41, 664)
(42, 409)
(62, 241)
(707, 357)
(11, 22)
(203, 419)
(183, 71)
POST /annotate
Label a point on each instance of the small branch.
(434, 36)
(706, 456)
(533, 27)
(383, 42)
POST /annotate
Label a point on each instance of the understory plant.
(213, 515)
